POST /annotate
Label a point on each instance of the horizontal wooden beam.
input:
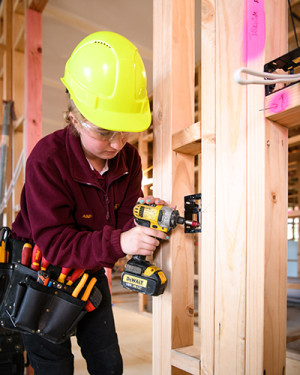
(19, 6)
(293, 282)
(187, 359)
(294, 141)
(293, 286)
(283, 106)
(295, 213)
(187, 140)
(37, 5)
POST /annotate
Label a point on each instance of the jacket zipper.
(107, 206)
(105, 192)
(106, 196)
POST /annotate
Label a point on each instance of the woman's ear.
(75, 122)
(73, 118)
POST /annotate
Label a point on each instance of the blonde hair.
(71, 107)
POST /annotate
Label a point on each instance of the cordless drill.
(139, 274)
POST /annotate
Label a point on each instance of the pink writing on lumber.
(279, 102)
(254, 29)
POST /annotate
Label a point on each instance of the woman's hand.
(141, 240)
(150, 200)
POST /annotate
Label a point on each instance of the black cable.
(292, 17)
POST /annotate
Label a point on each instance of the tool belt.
(46, 309)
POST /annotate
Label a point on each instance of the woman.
(80, 187)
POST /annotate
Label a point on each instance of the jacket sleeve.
(125, 219)
(50, 205)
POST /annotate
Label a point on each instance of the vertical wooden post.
(7, 90)
(267, 175)
(244, 161)
(208, 169)
(19, 99)
(173, 110)
(33, 79)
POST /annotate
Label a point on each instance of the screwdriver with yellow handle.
(80, 285)
(2, 252)
(88, 289)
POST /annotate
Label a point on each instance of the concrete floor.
(134, 331)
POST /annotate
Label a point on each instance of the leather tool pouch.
(28, 306)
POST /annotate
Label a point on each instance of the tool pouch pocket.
(12, 275)
(29, 306)
(52, 314)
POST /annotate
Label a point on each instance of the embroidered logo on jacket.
(87, 216)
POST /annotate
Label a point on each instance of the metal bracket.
(287, 62)
(192, 212)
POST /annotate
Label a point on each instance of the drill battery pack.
(143, 277)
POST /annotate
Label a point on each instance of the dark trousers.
(96, 336)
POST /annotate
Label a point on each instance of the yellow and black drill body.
(139, 274)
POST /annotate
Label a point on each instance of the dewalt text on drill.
(139, 274)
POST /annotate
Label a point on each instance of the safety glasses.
(105, 135)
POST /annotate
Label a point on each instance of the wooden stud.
(33, 79)
(240, 267)
(173, 110)
(208, 169)
(7, 89)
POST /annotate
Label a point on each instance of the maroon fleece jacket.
(72, 213)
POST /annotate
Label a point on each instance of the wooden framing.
(242, 267)
(33, 79)
(21, 53)
(14, 87)
(283, 106)
(173, 111)
(19, 101)
(6, 73)
(244, 161)
(248, 301)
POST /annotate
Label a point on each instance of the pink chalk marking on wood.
(254, 29)
(279, 102)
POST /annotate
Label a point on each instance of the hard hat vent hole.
(100, 42)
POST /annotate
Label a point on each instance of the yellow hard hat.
(106, 79)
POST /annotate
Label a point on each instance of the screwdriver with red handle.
(63, 274)
(36, 257)
(26, 254)
(44, 264)
(75, 275)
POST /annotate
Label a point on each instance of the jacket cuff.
(115, 240)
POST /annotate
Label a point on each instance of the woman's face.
(97, 142)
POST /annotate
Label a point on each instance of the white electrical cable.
(12, 182)
(272, 78)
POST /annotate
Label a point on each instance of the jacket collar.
(79, 166)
